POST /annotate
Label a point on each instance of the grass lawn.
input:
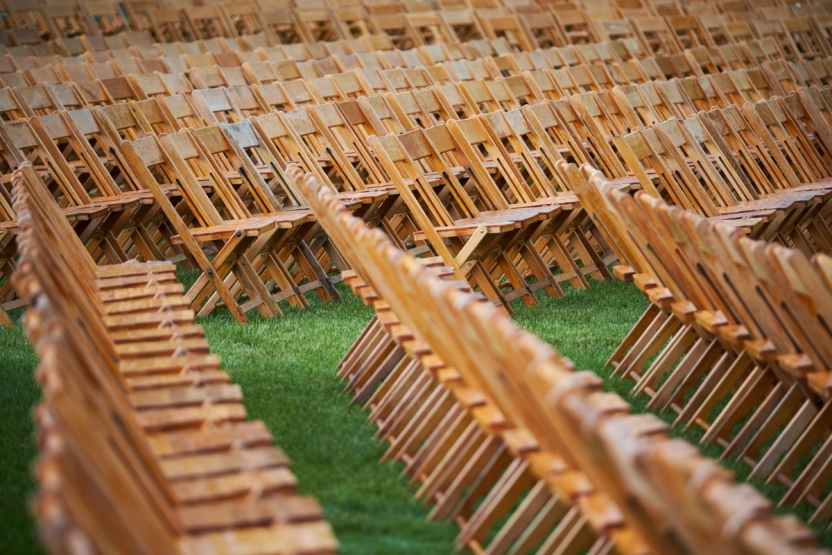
(286, 368)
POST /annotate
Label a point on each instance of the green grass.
(18, 394)
(286, 368)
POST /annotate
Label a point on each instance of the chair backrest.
(542, 30)
(376, 116)
(215, 106)
(411, 112)
(45, 99)
(241, 17)
(281, 26)
(11, 107)
(538, 155)
(67, 143)
(170, 25)
(239, 149)
(21, 143)
(208, 22)
(106, 16)
(478, 148)
(428, 28)
(180, 111)
(337, 132)
(295, 137)
(316, 24)
(152, 117)
(274, 97)
(67, 20)
(148, 85)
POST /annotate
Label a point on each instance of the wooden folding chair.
(99, 234)
(138, 14)
(152, 117)
(463, 23)
(129, 229)
(432, 160)
(744, 267)
(727, 85)
(543, 30)
(505, 26)
(761, 50)
(415, 109)
(208, 22)
(209, 77)
(101, 356)
(316, 24)
(215, 106)
(233, 236)
(576, 26)
(239, 152)
(29, 15)
(66, 20)
(511, 131)
(618, 30)
(353, 22)
(153, 85)
(421, 400)
(242, 18)
(47, 98)
(782, 76)
(106, 17)
(428, 28)
(282, 26)
(776, 32)
(395, 26)
(808, 42)
(488, 96)
(170, 25)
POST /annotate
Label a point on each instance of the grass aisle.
(19, 392)
(286, 368)
(287, 371)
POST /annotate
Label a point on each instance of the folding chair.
(242, 18)
(282, 26)
(808, 42)
(619, 30)
(782, 38)
(102, 357)
(428, 28)
(745, 267)
(210, 77)
(404, 166)
(45, 99)
(395, 26)
(170, 25)
(128, 229)
(418, 402)
(353, 22)
(241, 154)
(208, 22)
(99, 234)
(107, 17)
(505, 26)
(543, 30)
(463, 23)
(238, 237)
(576, 26)
(316, 24)
(66, 20)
